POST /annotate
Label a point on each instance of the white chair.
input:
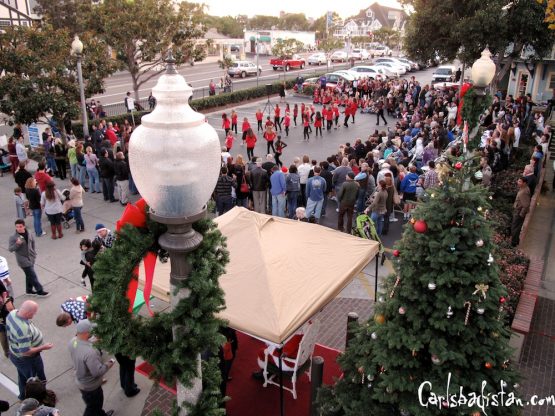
(302, 362)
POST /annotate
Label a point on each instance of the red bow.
(135, 214)
(464, 89)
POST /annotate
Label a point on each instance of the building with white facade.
(375, 18)
(17, 13)
(268, 38)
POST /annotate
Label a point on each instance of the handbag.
(396, 198)
(244, 185)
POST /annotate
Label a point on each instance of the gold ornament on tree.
(481, 290)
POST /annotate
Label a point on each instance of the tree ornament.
(481, 290)
(396, 253)
(452, 248)
(516, 386)
(488, 365)
(445, 404)
(490, 259)
(449, 312)
(369, 385)
(405, 412)
(495, 334)
(502, 299)
(370, 377)
(412, 220)
(379, 319)
(458, 165)
(420, 226)
(477, 413)
(397, 281)
(468, 306)
(479, 209)
(435, 359)
(506, 364)
(480, 311)
(402, 310)
(388, 389)
(374, 335)
(479, 175)
(414, 353)
(381, 299)
(431, 286)
(480, 243)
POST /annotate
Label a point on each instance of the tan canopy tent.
(281, 272)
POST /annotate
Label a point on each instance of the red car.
(295, 62)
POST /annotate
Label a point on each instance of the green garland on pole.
(474, 104)
(151, 338)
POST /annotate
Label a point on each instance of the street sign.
(35, 139)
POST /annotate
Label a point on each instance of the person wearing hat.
(32, 407)
(104, 236)
(89, 369)
(72, 157)
(346, 199)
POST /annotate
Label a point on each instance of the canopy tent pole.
(376, 278)
(280, 385)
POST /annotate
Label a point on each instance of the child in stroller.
(67, 210)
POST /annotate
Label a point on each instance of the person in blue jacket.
(408, 189)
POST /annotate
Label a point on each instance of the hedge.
(203, 103)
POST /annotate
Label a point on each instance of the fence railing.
(117, 109)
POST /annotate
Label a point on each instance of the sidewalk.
(537, 365)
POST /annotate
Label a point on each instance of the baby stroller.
(67, 213)
(366, 229)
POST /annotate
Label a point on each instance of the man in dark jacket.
(222, 192)
(107, 176)
(260, 182)
(346, 199)
(326, 173)
(121, 172)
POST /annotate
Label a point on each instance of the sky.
(311, 8)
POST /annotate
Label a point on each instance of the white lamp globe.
(76, 46)
(483, 70)
(174, 155)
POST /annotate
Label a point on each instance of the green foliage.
(286, 48)
(475, 103)
(387, 361)
(294, 21)
(226, 62)
(262, 22)
(387, 36)
(331, 44)
(152, 338)
(40, 75)
(64, 14)
(147, 29)
(226, 25)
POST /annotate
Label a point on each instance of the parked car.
(339, 56)
(287, 63)
(317, 59)
(444, 73)
(360, 54)
(235, 48)
(243, 68)
(369, 71)
(392, 70)
(380, 50)
(413, 65)
(310, 82)
(394, 61)
(332, 79)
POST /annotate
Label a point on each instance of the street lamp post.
(256, 41)
(77, 51)
(483, 71)
(174, 156)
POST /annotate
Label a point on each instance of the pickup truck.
(288, 63)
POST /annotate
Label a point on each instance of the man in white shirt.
(517, 135)
(5, 276)
(21, 150)
(303, 171)
(129, 103)
(225, 155)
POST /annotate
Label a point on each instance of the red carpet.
(250, 398)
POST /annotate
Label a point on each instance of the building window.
(5, 22)
(552, 81)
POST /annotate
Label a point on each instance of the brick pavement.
(538, 358)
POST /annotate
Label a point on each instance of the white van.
(444, 73)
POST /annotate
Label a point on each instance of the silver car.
(317, 59)
(243, 68)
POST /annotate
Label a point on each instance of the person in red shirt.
(246, 125)
(279, 150)
(329, 118)
(277, 117)
(306, 124)
(42, 177)
(354, 109)
(234, 121)
(316, 99)
(226, 123)
(111, 134)
(259, 117)
(318, 124)
(295, 113)
(229, 140)
(336, 115)
(312, 112)
(303, 110)
(270, 136)
(347, 113)
(268, 123)
(287, 123)
(250, 140)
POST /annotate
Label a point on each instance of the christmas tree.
(439, 324)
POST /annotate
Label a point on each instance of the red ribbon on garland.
(135, 214)
(464, 89)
